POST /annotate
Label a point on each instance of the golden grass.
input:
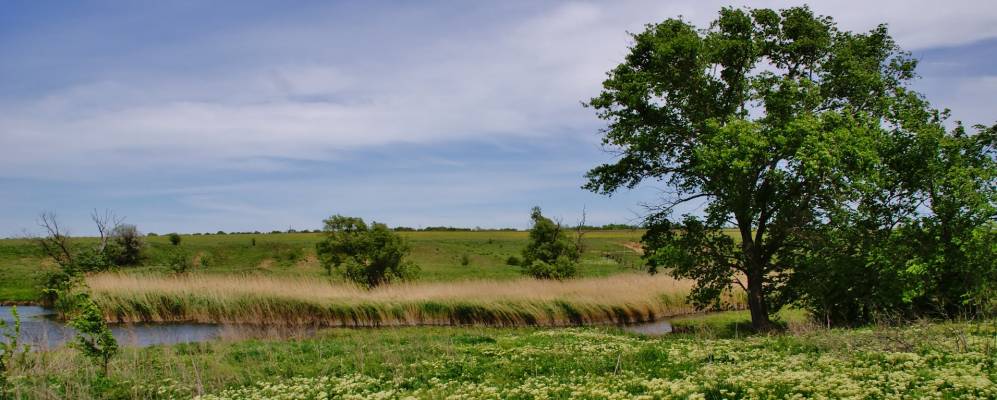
(286, 301)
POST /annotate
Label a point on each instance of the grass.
(620, 298)
(438, 254)
(927, 360)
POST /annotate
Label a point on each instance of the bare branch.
(56, 242)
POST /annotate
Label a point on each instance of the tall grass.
(287, 301)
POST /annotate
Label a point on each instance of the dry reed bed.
(283, 301)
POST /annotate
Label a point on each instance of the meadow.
(438, 254)
(709, 358)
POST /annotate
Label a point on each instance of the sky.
(194, 116)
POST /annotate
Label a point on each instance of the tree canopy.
(549, 253)
(789, 132)
(367, 255)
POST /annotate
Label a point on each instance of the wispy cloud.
(192, 95)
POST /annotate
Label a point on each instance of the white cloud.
(515, 77)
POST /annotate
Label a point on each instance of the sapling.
(93, 337)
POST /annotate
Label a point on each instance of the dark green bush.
(549, 254)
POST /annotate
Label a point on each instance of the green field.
(438, 254)
(709, 359)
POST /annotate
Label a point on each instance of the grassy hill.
(438, 254)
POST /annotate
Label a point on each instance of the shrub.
(126, 247)
(549, 250)
(562, 268)
(465, 260)
(204, 260)
(174, 239)
(367, 255)
(10, 347)
(179, 261)
(93, 337)
(513, 260)
(94, 260)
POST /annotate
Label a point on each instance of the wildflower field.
(705, 361)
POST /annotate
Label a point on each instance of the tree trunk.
(755, 271)
(756, 301)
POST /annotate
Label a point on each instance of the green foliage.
(93, 337)
(179, 261)
(919, 361)
(126, 247)
(929, 247)
(562, 268)
(513, 261)
(549, 253)
(92, 259)
(808, 141)
(367, 255)
(436, 253)
(174, 238)
(10, 348)
(465, 260)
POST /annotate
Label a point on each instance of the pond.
(42, 330)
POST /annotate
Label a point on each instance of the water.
(41, 329)
(655, 328)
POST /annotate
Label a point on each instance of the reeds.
(282, 301)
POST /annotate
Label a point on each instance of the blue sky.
(251, 115)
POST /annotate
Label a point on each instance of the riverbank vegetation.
(704, 360)
(288, 301)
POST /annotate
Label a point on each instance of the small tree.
(367, 255)
(127, 245)
(174, 239)
(549, 254)
(179, 261)
(93, 338)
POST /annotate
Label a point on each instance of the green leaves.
(367, 255)
(808, 143)
(93, 338)
(549, 254)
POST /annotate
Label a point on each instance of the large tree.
(770, 122)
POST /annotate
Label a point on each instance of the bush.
(180, 261)
(10, 347)
(465, 260)
(513, 261)
(367, 255)
(94, 260)
(174, 239)
(93, 337)
(562, 268)
(127, 245)
(549, 251)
